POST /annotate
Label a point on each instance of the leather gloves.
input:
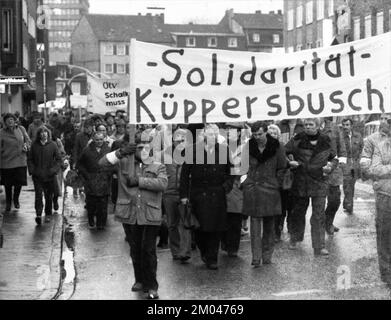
(126, 150)
(132, 182)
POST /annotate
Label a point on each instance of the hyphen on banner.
(107, 95)
(175, 85)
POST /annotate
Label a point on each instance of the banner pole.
(132, 127)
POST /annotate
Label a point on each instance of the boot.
(17, 190)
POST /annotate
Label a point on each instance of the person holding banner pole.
(312, 160)
(141, 183)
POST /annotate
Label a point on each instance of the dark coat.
(44, 161)
(353, 150)
(261, 189)
(81, 142)
(208, 185)
(308, 178)
(97, 179)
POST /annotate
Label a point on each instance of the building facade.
(206, 36)
(18, 30)
(309, 23)
(369, 18)
(101, 43)
(263, 32)
(64, 16)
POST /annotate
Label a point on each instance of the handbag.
(287, 179)
(73, 180)
(189, 220)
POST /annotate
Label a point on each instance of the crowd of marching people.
(289, 166)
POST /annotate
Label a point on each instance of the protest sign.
(108, 95)
(190, 85)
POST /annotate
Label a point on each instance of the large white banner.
(107, 95)
(188, 85)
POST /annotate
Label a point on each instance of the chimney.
(148, 14)
(162, 17)
(258, 11)
(271, 12)
(230, 14)
(139, 14)
(279, 12)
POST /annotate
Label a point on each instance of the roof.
(259, 20)
(197, 28)
(124, 27)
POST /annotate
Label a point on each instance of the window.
(276, 38)
(109, 68)
(356, 28)
(212, 42)
(121, 68)
(368, 26)
(299, 16)
(121, 50)
(319, 43)
(190, 42)
(6, 30)
(320, 9)
(331, 7)
(308, 12)
(59, 88)
(290, 19)
(256, 37)
(109, 49)
(232, 42)
(75, 87)
(379, 23)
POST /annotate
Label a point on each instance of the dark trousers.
(383, 236)
(286, 208)
(317, 220)
(349, 182)
(9, 196)
(97, 207)
(114, 190)
(262, 237)
(46, 188)
(333, 203)
(230, 239)
(208, 243)
(142, 241)
(179, 237)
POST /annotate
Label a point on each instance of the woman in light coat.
(14, 145)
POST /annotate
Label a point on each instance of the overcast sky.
(184, 11)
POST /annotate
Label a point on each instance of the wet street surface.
(96, 264)
(104, 270)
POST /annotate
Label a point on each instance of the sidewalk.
(30, 257)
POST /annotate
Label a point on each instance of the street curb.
(65, 290)
(54, 260)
